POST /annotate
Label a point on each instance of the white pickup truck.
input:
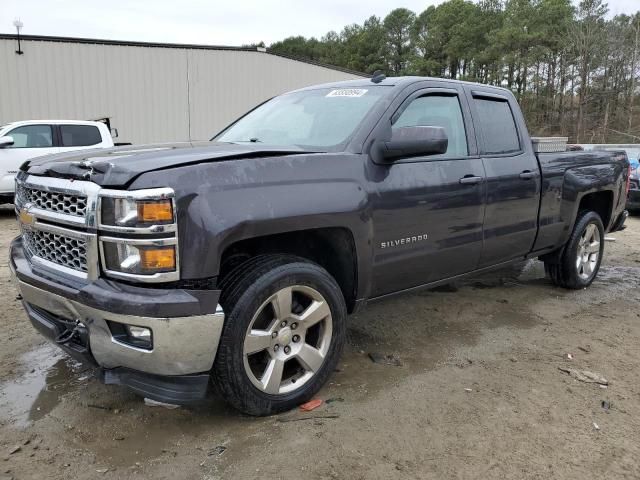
(21, 141)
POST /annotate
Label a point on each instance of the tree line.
(574, 69)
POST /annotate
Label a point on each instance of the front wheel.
(578, 265)
(283, 334)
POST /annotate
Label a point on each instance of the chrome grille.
(52, 201)
(58, 249)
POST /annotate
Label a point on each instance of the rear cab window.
(496, 125)
(79, 135)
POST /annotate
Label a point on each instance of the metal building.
(150, 92)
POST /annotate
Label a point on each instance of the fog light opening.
(132, 335)
(139, 333)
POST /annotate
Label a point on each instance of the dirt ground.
(479, 394)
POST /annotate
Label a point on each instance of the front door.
(428, 211)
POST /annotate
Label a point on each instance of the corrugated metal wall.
(151, 94)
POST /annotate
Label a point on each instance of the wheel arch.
(333, 248)
(593, 187)
(600, 202)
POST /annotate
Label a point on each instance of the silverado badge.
(404, 241)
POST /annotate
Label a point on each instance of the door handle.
(528, 174)
(470, 180)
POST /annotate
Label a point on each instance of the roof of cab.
(51, 122)
(395, 82)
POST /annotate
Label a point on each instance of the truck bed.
(564, 175)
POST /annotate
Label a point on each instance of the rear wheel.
(283, 334)
(578, 265)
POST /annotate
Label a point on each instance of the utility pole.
(18, 24)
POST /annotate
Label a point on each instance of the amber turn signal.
(161, 258)
(155, 211)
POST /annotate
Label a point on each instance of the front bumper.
(184, 347)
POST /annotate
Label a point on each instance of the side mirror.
(6, 142)
(415, 141)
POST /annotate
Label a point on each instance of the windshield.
(313, 118)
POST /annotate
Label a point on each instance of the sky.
(211, 22)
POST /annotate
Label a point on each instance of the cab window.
(438, 111)
(80, 135)
(31, 136)
(497, 126)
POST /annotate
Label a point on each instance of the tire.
(252, 296)
(569, 271)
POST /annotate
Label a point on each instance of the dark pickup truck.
(235, 262)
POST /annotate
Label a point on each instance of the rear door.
(428, 211)
(78, 137)
(29, 141)
(512, 176)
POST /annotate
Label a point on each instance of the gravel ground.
(479, 394)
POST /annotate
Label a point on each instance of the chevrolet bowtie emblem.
(26, 218)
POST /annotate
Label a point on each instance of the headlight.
(135, 212)
(138, 259)
(142, 239)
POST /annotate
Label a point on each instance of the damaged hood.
(117, 167)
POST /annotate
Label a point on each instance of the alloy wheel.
(588, 251)
(287, 340)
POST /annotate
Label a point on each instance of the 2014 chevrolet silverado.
(236, 262)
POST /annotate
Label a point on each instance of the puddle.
(618, 274)
(50, 374)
